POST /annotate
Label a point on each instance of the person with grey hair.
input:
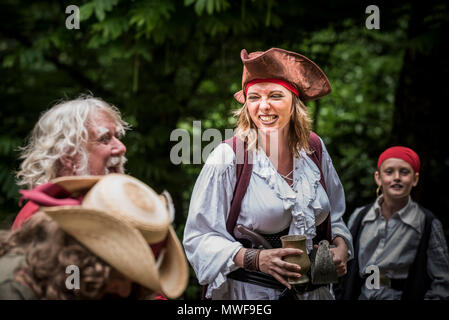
(73, 138)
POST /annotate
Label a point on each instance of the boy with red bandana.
(404, 240)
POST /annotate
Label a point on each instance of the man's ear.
(67, 163)
(416, 179)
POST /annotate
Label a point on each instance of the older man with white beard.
(73, 138)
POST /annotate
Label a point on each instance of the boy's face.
(397, 178)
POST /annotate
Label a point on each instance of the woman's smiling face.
(269, 105)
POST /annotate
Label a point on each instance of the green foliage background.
(167, 63)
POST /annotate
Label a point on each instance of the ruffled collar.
(265, 169)
(301, 198)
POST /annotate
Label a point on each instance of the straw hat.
(118, 219)
(292, 67)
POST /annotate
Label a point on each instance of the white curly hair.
(62, 131)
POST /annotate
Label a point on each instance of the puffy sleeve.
(336, 196)
(438, 263)
(209, 248)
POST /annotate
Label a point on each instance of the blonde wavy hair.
(61, 131)
(298, 131)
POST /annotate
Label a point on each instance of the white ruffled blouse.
(270, 205)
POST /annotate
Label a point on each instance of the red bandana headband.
(283, 83)
(403, 153)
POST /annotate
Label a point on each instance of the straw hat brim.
(114, 241)
(174, 271)
(77, 184)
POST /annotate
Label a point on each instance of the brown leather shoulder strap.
(317, 154)
(244, 169)
(324, 230)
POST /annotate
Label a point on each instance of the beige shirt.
(392, 246)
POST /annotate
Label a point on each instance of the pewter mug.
(297, 242)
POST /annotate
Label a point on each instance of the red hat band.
(283, 83)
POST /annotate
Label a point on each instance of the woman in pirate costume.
(275, 177)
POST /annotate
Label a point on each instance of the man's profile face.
(104, 148)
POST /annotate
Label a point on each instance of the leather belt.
(255, 277)
(275, 239)
(268, 281)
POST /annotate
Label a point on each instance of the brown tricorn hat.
(292, 67)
